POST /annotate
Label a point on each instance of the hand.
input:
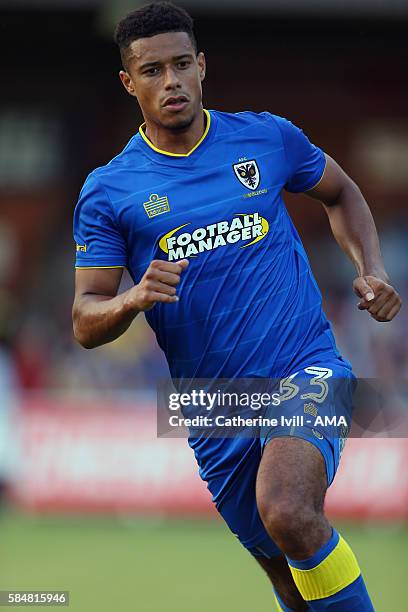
(158, 284)
(378, 297)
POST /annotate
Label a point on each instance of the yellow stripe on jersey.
(334, 573)
(152, 146)
(321, 178)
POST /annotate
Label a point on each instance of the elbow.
(80, 334)
(82, 338)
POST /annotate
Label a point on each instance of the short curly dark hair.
(152, 19)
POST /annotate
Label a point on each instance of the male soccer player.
(193, 208)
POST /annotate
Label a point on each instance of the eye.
(151, 71)
(183, 64)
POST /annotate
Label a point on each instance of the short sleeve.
(306, 162)
(99, 242)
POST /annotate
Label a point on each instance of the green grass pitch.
(141, 565)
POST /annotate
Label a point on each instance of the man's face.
(165, 74)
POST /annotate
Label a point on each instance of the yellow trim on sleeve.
(321, 178)
(334, 573)
(151, 145)
(96, 267)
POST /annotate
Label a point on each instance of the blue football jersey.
(249, 304)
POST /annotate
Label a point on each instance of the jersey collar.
(167, 153)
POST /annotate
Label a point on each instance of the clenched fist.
(378, 297)
(158, 284)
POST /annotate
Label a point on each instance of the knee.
(288, 522)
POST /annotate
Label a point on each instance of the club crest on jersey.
(247, 173)
(156, 205)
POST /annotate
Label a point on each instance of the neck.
(177, 141)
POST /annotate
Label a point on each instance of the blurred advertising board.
(103, 455)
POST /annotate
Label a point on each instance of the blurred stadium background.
(91, 501)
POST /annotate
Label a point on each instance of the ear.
(201, 65)
(127, 82)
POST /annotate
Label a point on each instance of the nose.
(171, 79)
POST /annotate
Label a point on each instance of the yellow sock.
(330, 576)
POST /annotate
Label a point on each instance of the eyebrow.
(157, 62)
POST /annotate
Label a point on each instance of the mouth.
(175, 103)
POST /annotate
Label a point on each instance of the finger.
(378, 303)
(176, 267)
(155, 296)
(364, 305)
(184, 263)
(386, 294)
(363, 289)
(160, 287)
(383, 313)
(394, 311)
(169, 278)
(386, 310)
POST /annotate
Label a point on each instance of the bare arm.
(99, 315)
(353, 227)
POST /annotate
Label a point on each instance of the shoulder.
(250, 119)
(266, 125)
(116, 177)
(129, 157)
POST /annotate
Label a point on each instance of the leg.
(291, 486)
(279, 574)
(290, 498)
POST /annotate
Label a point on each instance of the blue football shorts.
(316, 402)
